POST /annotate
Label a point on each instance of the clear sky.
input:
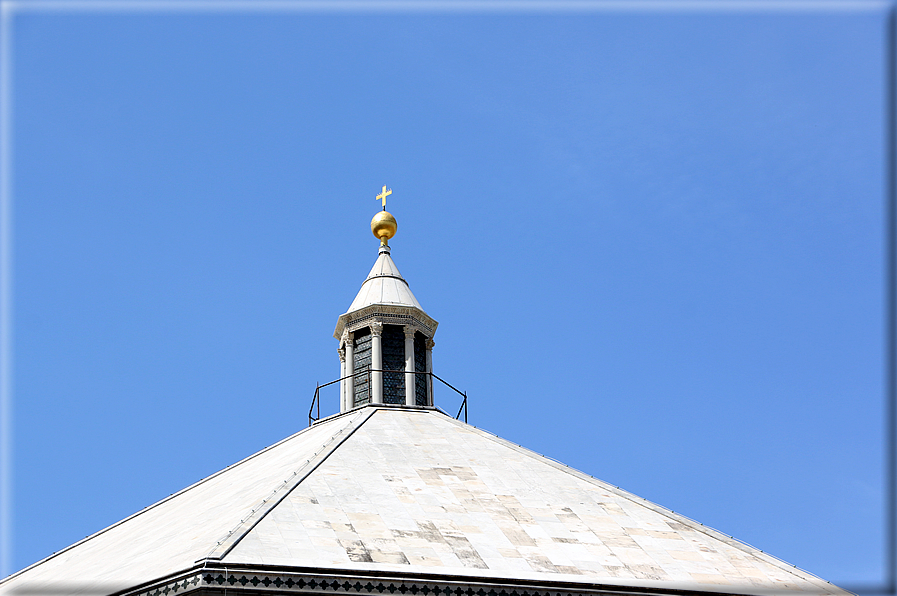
(654, 241)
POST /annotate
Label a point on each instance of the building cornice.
(387, 314)
(219, 578)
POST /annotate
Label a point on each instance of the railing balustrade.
(314, 412)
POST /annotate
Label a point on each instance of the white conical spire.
(384, 285)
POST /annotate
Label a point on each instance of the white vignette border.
(10, 8)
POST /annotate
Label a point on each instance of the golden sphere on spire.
(384, 226)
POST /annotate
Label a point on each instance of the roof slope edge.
(417, 492)
(178, 530)
(712, 532)
(282, 491)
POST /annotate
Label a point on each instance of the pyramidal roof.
(402, 499)
(384, 285)
(406, 499)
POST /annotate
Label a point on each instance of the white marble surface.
(172, 534)
(412, 490)
(415, 491)
(384, 285)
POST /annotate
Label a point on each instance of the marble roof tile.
(474, 503)
(173, 533)
(393, 489)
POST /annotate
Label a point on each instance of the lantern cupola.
(385, 338)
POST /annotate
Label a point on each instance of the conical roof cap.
(384, 285)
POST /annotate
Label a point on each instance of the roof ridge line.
(258, 513)
(695, 525)
(152, 506)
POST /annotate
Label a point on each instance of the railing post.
(313, 401)
(342, 377)
(429, 364)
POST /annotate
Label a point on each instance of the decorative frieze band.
(390, 315)
(208, 581)
(389, 319)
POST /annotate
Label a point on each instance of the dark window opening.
(393, 343)
(420, 365)
(362, 365)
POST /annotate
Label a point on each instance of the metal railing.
(314, 412)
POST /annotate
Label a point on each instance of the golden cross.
(382, 196)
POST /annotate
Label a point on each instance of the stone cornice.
(265, 579)
(387, 314)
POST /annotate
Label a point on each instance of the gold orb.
(384, 226)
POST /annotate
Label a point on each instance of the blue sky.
(654, 241)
